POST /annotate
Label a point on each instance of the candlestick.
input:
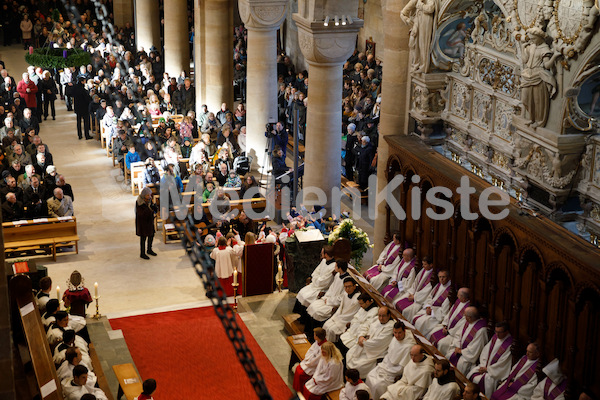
(96, 289)
(97, 315)
(279, 276)
(235, 274)
(235, 288)
(58, 293)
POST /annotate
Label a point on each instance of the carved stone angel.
(420, 15)
(538, 84)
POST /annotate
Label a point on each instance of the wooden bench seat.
(45, 234)
(130, 383)
(292, 324)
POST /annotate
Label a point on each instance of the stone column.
(199, 54)
(147, 25)
(395, 99)
(177, 48)
(123, 12)
(218, 54)
(262, 19)
(325, 49)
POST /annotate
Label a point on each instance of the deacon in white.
(359, 326)
(522, 379)
(320, 279)
(418, 289)
(444, 386)
(353, 384)
(323, 308)
(349, 306)
(416, 377)
(434, 309)
(392, 366)
(495, 360)
(553, 386)
(75, 388)
(407, 261)
(388, 261)
(367, 349)
(468, 342)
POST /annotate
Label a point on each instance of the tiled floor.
(109, 249)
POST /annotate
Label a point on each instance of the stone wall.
(373, 28)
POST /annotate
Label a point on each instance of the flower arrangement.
(359, 240)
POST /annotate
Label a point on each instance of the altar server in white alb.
(435, 308)
(320, 280)
(77, 386)
(553, 386)
(359, 326)
(367, 349)
(495, 361)
(353, 385)
(444, 386)
(323, 308)
(419, 288)
(305, 370)
(329, 375)
(416, 377)
(466, 346)
(386, 264)
(522, 379)
(349, 306)
(392, 366)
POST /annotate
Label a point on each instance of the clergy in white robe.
(362, 320)
(398, 355)
(419, 288)
(415, 380)
(323, 308)
(305, 370)
(434, 309)
(451, 320)
(436, 294)
(522, 379)
(328, 376)
(353, 384)
(495, 361)
(444, 386)
(77, 386)
(387, 262)
(399, 278)
(470, 340)
(336, 325)
(73, 358)
(553, 386)
(224, 259)
(367, 349)
(320, 279)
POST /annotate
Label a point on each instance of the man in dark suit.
(34, 188)
(82, 100)
(12, 209)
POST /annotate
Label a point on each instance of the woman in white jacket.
(328, 376)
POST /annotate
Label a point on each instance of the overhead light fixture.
(349, 18)
(337, 21)
(343, 20)
(326, 22)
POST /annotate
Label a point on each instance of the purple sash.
(476, 327)
(423, 281)
(493, 360)
(391, 291)
(374, 271)
(438, 301)
(439, 334)
(558, 389)
(513, 383)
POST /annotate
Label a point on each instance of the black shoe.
(80, 138)
(88, 137)
(53, 118)
(145, 257)
(151, 253)
(45, 118)
(69, 109)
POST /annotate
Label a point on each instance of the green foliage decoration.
(48, 58)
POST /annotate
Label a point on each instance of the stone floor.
(109, 249)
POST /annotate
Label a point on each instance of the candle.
(64, 54)
(235, 276)
(96, 289)
(58, 293)
(279, 271)
(30, 49)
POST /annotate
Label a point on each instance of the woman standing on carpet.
(329, 375)
(144, 221)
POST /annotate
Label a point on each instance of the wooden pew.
(47, 234)
(137, 169)
(35, 334)
(130, 383)
(298, 353)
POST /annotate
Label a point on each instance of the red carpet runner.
(191, 358)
